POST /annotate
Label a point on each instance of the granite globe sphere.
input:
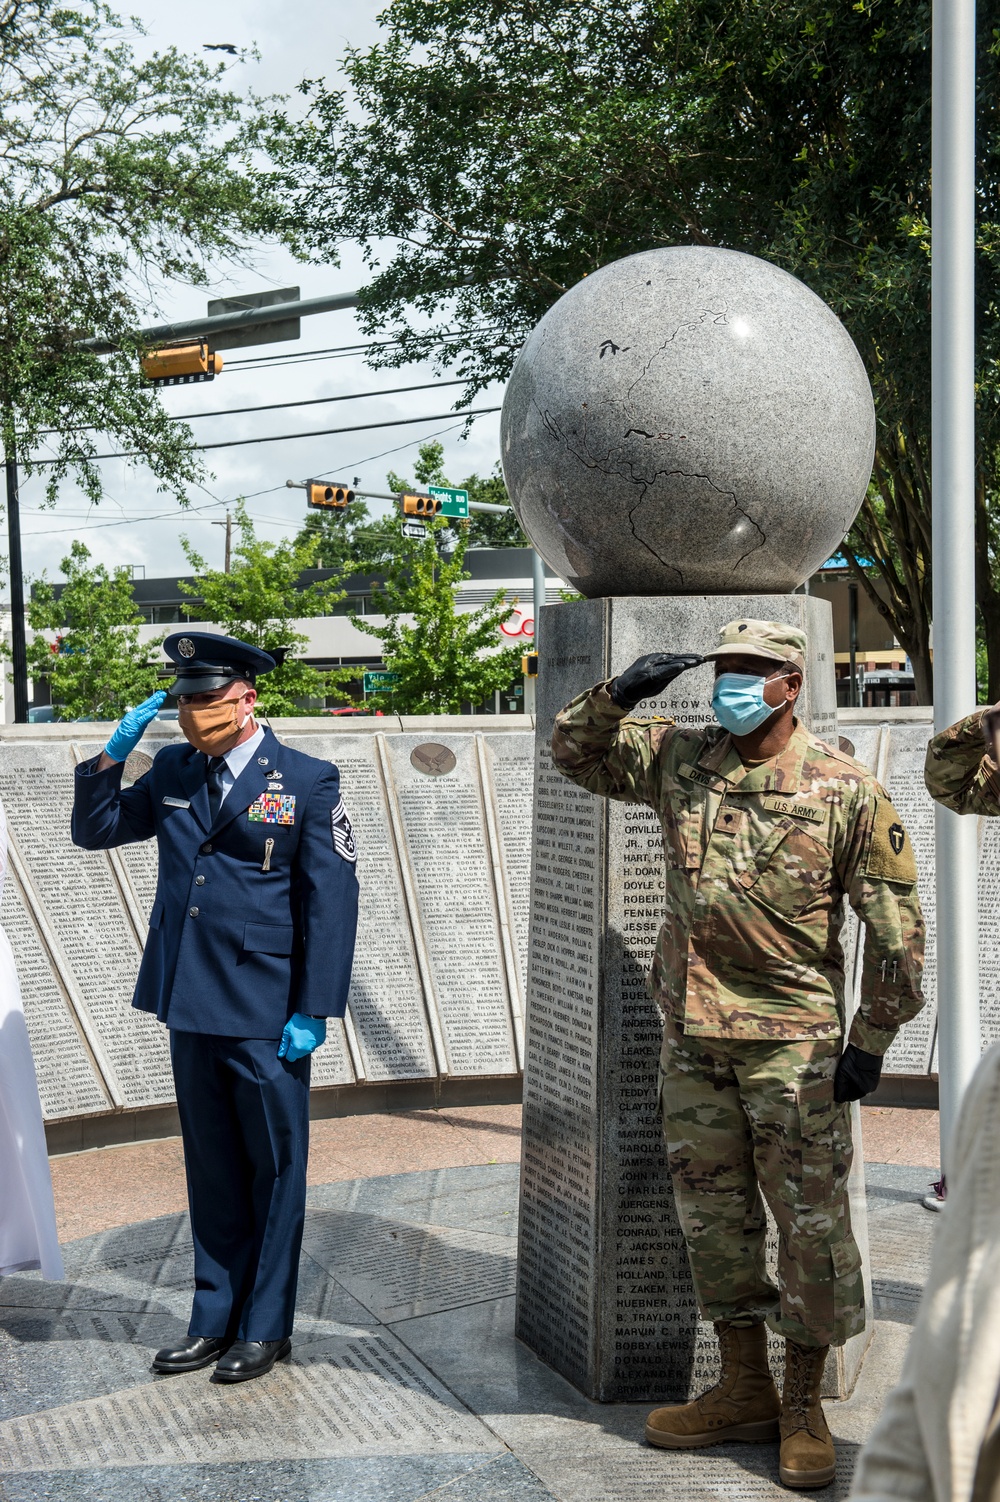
(687, 421)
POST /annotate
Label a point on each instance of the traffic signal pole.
(19, 646)
(953, 474)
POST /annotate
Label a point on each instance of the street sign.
(261, 333)
(453, 502)
(414, 529)
(378, 682)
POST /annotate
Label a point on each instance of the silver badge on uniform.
(343, 834)
(186, 647)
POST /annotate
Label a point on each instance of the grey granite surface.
(684, 421)
(445, 1404)
(605, 1292)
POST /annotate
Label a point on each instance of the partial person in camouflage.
(765, 830)
(961, 770)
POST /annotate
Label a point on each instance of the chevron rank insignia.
(273, 808)
(343, 835)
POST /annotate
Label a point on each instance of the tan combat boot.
(807, 1454)
(743, 1404)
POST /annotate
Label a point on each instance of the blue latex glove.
(301, 1036)
(129, 733)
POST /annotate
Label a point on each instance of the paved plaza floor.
(405, 1381)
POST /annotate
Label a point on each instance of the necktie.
(214, 779)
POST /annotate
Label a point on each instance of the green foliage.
(444, 658)
(99, 666)
(258, 601)
(350, 540)
(484, 530)
(506, 150)
(119, 175)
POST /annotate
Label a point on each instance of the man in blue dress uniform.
(250, 946)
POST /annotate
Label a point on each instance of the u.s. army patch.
(343, 835)
(890, 854)
(273, 808)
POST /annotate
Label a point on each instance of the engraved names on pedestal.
(83, 906)
(604, 1288)
(559, 1175)
(442, 819)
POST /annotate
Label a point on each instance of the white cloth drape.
(27, 1215)
(927, 1443)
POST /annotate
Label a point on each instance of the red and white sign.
(519, 625)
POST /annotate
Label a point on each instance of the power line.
(316, 401)
(309, 401)
(344, 351)
(181, 513)
(235, 443)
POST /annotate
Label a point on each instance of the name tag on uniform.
(273, 808)
(177, 802)
(779, 805)
(704, 779)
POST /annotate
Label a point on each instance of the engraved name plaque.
(82, 904)
(445, 843)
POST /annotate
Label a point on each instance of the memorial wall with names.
(443, 831)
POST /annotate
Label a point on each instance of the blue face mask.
(739, 703)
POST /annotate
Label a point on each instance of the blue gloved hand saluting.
(129, 732)
(301, 1036)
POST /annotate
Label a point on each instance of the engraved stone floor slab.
(444, 1404)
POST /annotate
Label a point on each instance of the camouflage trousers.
(750, 1120)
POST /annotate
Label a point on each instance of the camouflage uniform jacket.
(959, 771)
(757, 863)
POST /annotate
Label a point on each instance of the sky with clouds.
(135, 525)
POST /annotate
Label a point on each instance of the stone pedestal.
(604, 1290)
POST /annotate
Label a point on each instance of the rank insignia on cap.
(186, 647)
(273, 808)
(343, 835)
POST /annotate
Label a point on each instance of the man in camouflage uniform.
(765, 830)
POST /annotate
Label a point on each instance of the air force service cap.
(204, 661)
(772, 640)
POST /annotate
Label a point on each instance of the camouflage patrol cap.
(770, 639)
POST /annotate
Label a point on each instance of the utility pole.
(19, 646)
(953, 474)
(228, 524)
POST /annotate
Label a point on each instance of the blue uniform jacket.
(235, 949)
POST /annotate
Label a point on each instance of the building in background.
(333, 641)
(872, 669)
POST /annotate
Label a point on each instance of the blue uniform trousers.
(245, 1123)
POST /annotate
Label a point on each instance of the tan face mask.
(212, 728)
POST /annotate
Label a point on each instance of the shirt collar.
(238, 758)
(774, 775)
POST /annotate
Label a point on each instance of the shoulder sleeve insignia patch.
(890, 854)
(343, 835)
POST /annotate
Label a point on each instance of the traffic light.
(420, 505)
(529, 665)
(325, 495)
(181, 364)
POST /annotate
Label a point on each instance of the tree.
(119, 174)
(350, 539)
(97, 666)
(503, 151)
(443, 658)
(484, 529)
(258, 600)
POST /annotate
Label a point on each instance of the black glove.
(858, 1074)
(649, 676)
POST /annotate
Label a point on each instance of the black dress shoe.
(251, 1358)
(195, 1352)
